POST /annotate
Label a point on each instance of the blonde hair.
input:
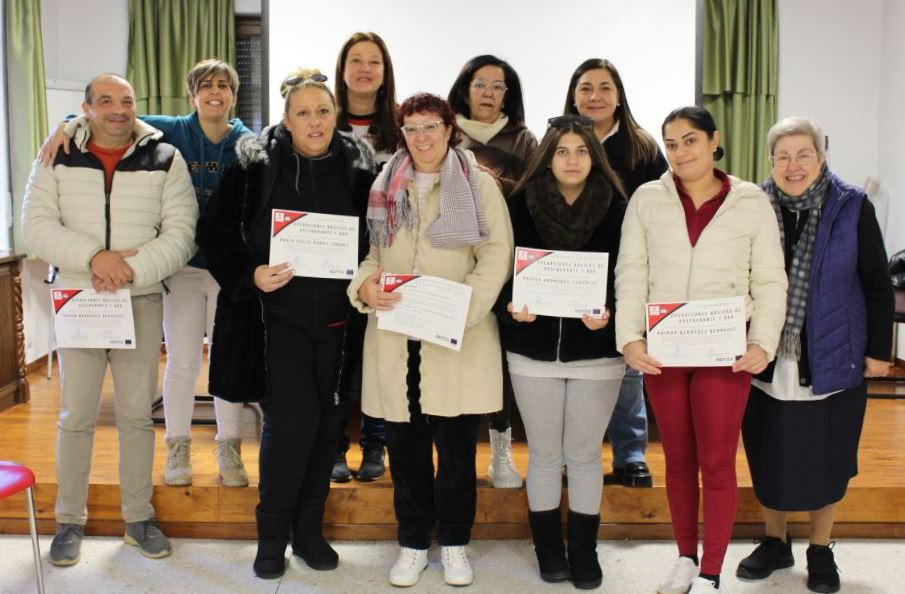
(303, 78)
(206, 68)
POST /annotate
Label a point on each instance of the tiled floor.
(507, 567)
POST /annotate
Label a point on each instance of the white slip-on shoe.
(680, 578)
(702, 586)
(408, 567)
(457, 570)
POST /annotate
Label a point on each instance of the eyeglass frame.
(419, 128)
(563, 121)
(807, 154)
(477, 83)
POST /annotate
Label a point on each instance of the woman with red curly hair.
(432, 212)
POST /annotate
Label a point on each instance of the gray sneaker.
(149, 538)
(66, 545)
(178, 471)
(229, 459)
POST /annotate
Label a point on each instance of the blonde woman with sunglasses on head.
(280, 335)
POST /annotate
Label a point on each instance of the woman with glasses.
(565, 372)
(487, 99)
(804, 417)
(695, 234)
(280, 335)
(431, 212)
(366, 103)
(596, 91)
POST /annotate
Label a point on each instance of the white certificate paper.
(431, 308)
(701, 333)
(86, 319)
(560, 283)
(315, 244)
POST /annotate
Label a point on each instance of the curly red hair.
(429, 103)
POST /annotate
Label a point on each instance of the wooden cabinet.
(13, 387)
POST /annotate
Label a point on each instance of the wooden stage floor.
(873, 508)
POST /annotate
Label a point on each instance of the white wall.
(829, 70)
(6, 201)
(544, 45)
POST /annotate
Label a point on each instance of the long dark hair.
(385, 132)
(513, 105)
(540, 161)
(639, 144)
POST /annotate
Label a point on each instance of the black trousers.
(299, 437)
(419, 498)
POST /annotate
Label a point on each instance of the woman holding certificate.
(805, 412)
(565, 371)
(279, 326)
(699, 234)
(432, 213)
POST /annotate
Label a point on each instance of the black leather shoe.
(341, 472)
(771, 554)
(634, 474)
(372, 466)
(823, 575)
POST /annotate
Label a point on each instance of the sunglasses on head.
(564, 121)
(296, 80)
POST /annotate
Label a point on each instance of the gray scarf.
(799, 272)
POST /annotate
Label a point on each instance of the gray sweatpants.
(135, 386)
(564, 421)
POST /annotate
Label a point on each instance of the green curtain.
(741, 64)
(167, 38)
(26, 99)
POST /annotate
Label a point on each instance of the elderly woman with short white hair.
(804, 416)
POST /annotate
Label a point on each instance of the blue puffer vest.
(837, 312)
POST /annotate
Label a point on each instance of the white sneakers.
(178, 470)
(701, 586)
(502, 472)
(411, 562)
(456, 568)
(681, 577)
(408, 567)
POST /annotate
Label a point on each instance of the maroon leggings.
(699, 413)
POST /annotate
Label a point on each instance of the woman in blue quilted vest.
(805, 412)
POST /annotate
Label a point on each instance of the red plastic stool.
(15, 478)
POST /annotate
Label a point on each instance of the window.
(250, 66)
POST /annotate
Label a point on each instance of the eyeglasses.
(804, 159)
(432, 128)
(297, 80)
(564, 121)
(497, 87)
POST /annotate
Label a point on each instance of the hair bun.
(718, 153)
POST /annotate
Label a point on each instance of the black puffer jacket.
(226, 239)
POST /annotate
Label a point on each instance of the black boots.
(273, 534)
(546, 530)
(771, 554)
(308, 540)
(582, 538)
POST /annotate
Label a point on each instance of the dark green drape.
(741, 73)
(26, 99)
(167, 38)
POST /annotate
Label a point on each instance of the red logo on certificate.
(657, 312)
(524, 257)
(62, 296)
(284, 218)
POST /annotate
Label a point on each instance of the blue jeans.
(628, 427)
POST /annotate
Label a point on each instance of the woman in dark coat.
(279, 335)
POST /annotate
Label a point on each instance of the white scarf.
(481, 131)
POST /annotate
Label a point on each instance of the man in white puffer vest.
(117, 211)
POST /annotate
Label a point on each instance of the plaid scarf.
(461, 220)
(799, 272)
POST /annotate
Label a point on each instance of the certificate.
(315, 244)
(431, 308)
(86, 319)
(560, 283)
(701, 333)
